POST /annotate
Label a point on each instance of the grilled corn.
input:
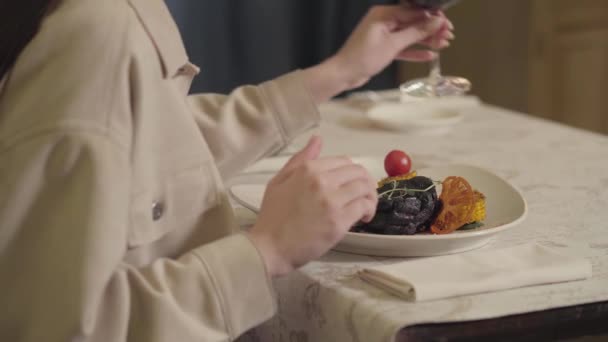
(479, 210)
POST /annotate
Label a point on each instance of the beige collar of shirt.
(156, 19)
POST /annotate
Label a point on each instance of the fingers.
(354, 185)
(328, 164)
(436, 44)
(417, 32)
(311, 151)
(417, 55)
(353, 190)
(351, 183)
(405, 15)
(449, 24)
(444, 34)
(348, 173)
(324, 165)
(345, 184)
(360, 209)
(440, 40)
(316, 169)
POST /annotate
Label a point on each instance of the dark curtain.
(238, 42)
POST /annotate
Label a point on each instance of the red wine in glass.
(435, 85)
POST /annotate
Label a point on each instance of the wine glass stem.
(435, 74)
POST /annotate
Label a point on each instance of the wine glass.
(435, 85)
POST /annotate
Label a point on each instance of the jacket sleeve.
(64, 200)
(254, 121)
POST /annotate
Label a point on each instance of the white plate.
(505, 208)
(422, 117)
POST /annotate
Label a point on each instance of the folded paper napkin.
(476, 272)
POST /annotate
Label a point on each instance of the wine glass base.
(446, 86)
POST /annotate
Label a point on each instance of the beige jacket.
(114, 223)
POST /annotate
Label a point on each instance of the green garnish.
(404, 191)
(470, 226)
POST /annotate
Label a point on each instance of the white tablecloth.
(563, 174)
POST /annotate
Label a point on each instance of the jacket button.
(158, 209)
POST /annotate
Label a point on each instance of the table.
(563, 174)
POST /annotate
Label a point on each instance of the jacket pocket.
(173, 205)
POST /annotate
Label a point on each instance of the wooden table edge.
(547, 325)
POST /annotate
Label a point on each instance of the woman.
(114, 223)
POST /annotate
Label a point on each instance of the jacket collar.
(158, 22)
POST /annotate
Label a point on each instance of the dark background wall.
(238, 42)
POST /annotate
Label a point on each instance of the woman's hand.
(309, 206)
(386, 33)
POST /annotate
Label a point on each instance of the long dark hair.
(19, 22)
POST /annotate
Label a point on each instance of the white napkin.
(476, 272)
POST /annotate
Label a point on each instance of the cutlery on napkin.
(476, 272)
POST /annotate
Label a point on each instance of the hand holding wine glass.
(435, 85)
(385, 33)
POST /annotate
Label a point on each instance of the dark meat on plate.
(403, 208)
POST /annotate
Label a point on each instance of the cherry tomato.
(397, 163)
